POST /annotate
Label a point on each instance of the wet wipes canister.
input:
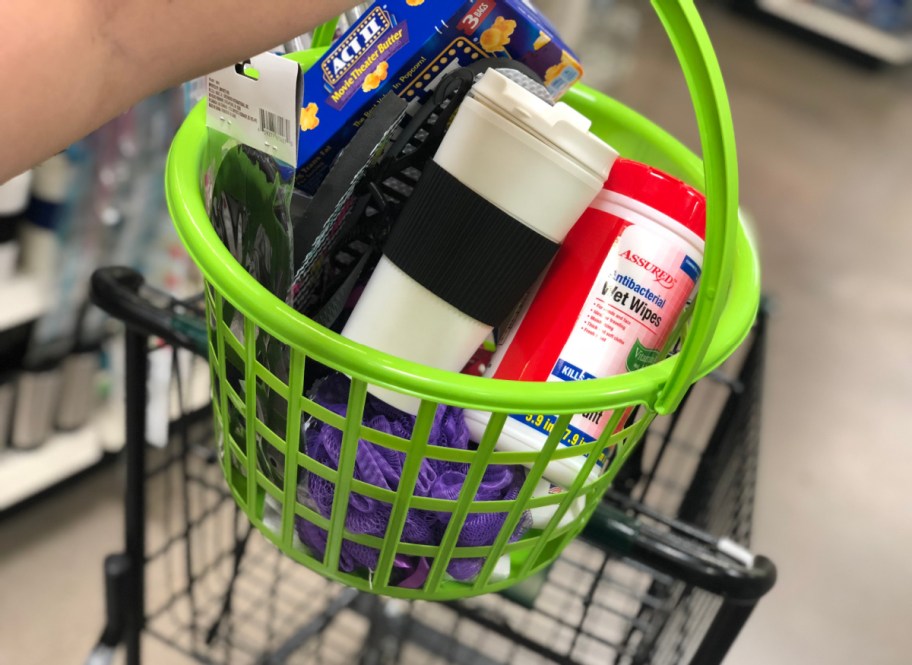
(607, 305)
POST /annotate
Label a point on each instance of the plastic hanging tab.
(257, 102)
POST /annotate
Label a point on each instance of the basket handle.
(323, 34)
(720, 163)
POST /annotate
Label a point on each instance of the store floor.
(826, 158)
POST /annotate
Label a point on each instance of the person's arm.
(69, 66)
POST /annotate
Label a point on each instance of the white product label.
(257, 103)
(630, 311)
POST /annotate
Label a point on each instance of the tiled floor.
(826, 159)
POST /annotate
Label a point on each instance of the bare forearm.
(71, 65)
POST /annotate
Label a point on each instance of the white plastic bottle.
(50, 189)
(14, 198)
(508, 182)
(607, 305)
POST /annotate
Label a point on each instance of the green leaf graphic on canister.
(640, 357)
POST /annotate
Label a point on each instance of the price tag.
(257, 102)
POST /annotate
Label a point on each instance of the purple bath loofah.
(382, 467)
(498, 483)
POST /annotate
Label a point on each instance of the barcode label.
(276, 125)
(260, 113)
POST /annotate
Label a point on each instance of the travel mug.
(37, 392)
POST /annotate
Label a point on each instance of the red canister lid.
(660, 191)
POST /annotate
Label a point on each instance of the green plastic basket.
(723, 314)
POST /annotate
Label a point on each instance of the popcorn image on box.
(407, 46)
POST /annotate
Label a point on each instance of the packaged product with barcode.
(251, 120)
(251, 116)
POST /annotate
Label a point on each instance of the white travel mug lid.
(560, 125)
(15, 194)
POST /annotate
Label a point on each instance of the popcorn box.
(407, 46)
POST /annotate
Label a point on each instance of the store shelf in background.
(197, 396)
(22, 299)
(26, 473)
(893, 48)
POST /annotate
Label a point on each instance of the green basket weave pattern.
(265, 467)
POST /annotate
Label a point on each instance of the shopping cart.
(645, 583)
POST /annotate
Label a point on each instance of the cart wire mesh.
(217, 591)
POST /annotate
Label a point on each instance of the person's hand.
(69, 66)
